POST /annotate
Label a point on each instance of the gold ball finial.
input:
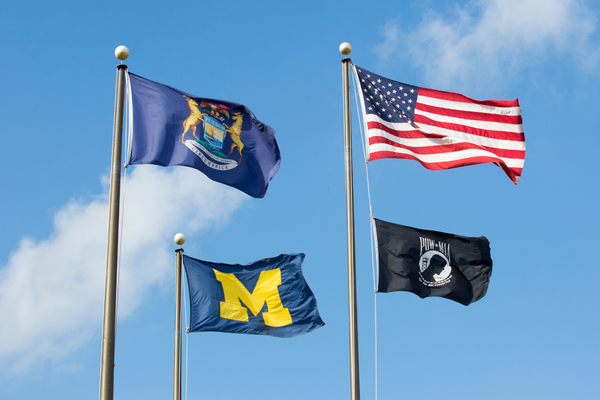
(122, 52)
(345, 48)
(179, 239)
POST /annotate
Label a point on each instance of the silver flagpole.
(180, 240)
(107, 363)
(345, 49)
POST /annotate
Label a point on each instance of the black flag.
(430, 263)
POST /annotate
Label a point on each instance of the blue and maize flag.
(224, 140)
(265, 297)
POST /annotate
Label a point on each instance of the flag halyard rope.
(187, 335)
(121, 219)
(364, 140)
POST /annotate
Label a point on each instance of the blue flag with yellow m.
(265, 297)
(222, 139)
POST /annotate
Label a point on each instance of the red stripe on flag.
(486, 133)
(410, 134)
(439, 94)
(513, 173)
(449, 148)
(471, 115)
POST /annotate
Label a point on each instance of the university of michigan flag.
(441, 130)
(224, 140)
(430, 263)
(265, 297)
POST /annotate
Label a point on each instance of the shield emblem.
(214, 132)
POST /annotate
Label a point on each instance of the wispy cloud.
(52, 291)
(488, 40)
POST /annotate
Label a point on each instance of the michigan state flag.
(224, 140)
(265, 297)
(430, 263)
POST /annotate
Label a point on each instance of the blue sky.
(534, 335)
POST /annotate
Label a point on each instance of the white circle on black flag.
(434, 269)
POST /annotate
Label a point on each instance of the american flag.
(441, 130)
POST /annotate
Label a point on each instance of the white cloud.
(52, 291)
(489, 40)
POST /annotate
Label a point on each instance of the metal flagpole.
(107, 363)
(180, 240)
(345, 49)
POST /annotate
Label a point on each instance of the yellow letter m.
(265, 291)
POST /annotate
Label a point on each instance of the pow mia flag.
(430, 263)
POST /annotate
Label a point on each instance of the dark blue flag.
(224, 140)
(265, 297)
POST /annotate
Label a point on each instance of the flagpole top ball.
(122, 52)
(180, 239)
(345, 48)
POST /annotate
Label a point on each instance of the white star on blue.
(393, 97)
